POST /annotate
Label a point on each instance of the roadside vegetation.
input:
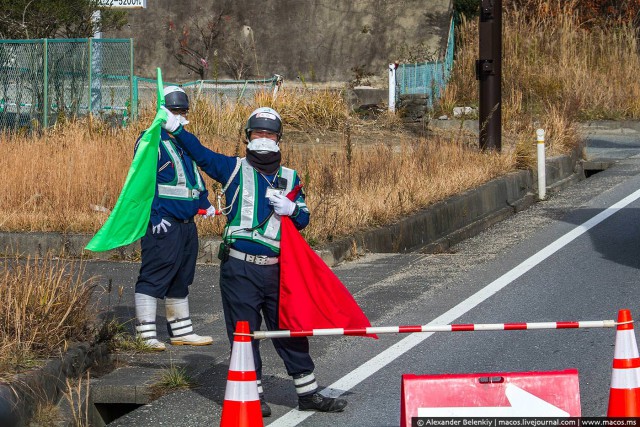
(46, 307)
(559, 69)
(563, 62)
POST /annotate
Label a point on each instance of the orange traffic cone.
(241, 405)
(624, 397)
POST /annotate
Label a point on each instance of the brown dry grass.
(45, 305)
(376, 181)
(556, 71)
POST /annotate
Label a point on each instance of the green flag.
(130, 216)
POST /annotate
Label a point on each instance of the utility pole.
(489, 73)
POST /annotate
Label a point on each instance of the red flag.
(311, 295)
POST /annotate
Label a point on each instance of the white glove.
(160, 228)
(172, 123)
(281, 205)
(211, 211)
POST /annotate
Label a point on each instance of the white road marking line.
(355, 377)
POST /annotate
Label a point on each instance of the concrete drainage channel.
(593, 167)
(435, 229)
(120, 392)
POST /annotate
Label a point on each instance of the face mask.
(263, 144)
(183, 120)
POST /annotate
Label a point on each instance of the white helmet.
(264, 118)
(175, 98)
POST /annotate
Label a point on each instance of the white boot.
(179, 322)
(146, 321)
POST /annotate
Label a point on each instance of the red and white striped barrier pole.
(259, 335)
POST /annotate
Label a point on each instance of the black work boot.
(264, 407)
(317, 402)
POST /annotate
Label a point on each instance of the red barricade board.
(510, 394)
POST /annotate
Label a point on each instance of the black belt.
(183, 221)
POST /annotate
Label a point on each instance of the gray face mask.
(263, 145)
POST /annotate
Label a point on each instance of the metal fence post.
(89, 82)
(136, 97)
(45, 96)
(134, 106)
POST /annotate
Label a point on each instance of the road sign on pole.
(530, 394)
(124, 4)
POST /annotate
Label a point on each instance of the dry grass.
(378, 184)
(379, 181)
(555, 73)
(46, 415)
(77, 399)
(45, 306)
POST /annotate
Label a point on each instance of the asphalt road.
(516, 271)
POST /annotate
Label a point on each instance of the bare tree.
(238, 52)
(35, 19)
(200, 39)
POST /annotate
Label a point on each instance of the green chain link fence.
(216, 91)
(43, 80)
(428, 78)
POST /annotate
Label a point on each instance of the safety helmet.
(175, 98)
(264, 118)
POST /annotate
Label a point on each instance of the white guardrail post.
(392, 87)
(542, 178)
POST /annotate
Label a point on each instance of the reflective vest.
(246, 213)
(180, 188)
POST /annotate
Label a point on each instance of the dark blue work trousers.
(168, 260)
(249, 290)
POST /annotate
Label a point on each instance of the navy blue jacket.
(179, 209)
(219, 167)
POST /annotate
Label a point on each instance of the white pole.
(542, 179)
(260, 335)
(392, 87)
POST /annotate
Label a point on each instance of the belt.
(184, 221)
(253, 259)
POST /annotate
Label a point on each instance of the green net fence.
(44, 80)
(428, 78)
(217, 92)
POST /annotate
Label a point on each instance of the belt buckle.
(261, 259)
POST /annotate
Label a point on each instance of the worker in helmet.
(255, 189)
(170, 244)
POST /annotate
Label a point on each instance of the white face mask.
(263, 145)
(182, 119)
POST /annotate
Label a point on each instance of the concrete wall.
(321, 40)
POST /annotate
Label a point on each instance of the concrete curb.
(19, 400)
